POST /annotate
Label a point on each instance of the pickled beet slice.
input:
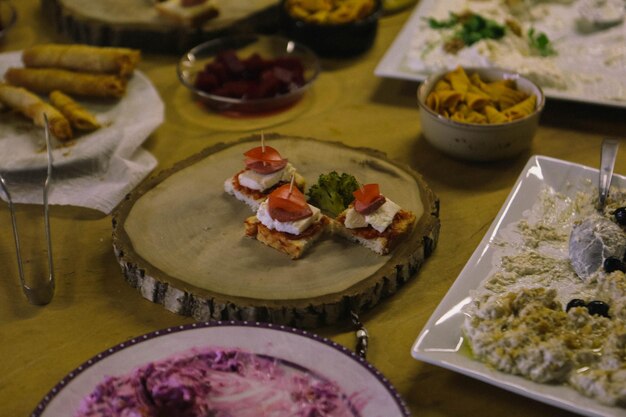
(250, 78)
(207, 81)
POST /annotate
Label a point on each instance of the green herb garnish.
(443, 24)
(540, 42)
(471, 28)
(476, 27)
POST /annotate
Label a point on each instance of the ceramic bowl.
(480, 142)
(244, 46)
(337, 40)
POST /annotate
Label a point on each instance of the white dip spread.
(587, 62)
(517, 321)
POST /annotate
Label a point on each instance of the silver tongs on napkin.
(42, 293)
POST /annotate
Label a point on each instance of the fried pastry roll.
(121, 61)
(46, 80)
(79, 117)
(34, 108)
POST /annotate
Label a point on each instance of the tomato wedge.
(269, 155)
(368, 199)
(366, 209)
(286, 206)
(264, 162)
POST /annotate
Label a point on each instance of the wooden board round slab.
(136, 24)
(180, 240)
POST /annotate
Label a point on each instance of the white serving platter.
(609, 44)
(441, 340)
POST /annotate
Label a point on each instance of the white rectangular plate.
(393, 63)
(440, 341)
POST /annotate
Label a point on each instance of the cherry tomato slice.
(286, 206)
(269, 155)
(368, 199)
(264, 167)
(294, 195)
(367, 193)
(371, 207)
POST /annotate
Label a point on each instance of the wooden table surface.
(94, 308)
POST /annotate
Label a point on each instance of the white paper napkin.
(99, 187)
(99, 168)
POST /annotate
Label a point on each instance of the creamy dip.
(218, 383)
(517, 321)
(587, 62)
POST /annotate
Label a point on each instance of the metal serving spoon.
(597, 238)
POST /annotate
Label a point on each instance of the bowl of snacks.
(8, 16)
(332, 28)
(479, 114)
(249, 73)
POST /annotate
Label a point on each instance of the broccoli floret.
(333, 192)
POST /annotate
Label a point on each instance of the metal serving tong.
(362, 336)
(42, 293)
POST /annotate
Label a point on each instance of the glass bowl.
(245, 46)
(335, 40)
(8, 16)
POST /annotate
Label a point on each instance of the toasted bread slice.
(292, 245)
(381, 243)
(254, 198)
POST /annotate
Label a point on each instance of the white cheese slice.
(379, 219)
(294, 228)
(354, 219)
(262, 182)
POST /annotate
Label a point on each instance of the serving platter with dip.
(587, 67)
(442, 341)
(179, 238)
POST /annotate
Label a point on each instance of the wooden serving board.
(136, 24)
(180, 240)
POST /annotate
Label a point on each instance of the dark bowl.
(268, 47)
(8, 16)
(333, 40)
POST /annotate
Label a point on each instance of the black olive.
(620, 216)
(576, 302)
(612, 264)
(599, 308)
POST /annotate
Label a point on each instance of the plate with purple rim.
(367, 391)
